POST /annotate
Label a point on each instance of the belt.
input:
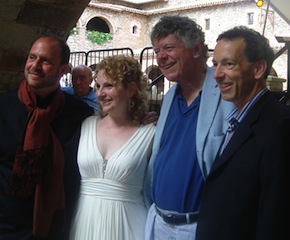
(178, 218)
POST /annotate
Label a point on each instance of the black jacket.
(16, 213)
(246, 194)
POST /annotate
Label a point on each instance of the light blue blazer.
(211, 127)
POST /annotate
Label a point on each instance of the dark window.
(98, 24)
(207, 24)
(250, 18)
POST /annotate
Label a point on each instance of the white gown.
(111, 205)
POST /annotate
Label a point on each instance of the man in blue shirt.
(82, 77)
(189, 131)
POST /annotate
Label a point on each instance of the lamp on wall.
(259, 3)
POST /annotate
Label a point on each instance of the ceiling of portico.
(142, 1)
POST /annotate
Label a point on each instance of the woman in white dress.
(113, 154)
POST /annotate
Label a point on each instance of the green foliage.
(73, 31)
(98, 37)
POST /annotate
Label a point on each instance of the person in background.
(113, 154)
(40, 127)
(246, 194)
(65, 80)
(82, 77)
(189, 130)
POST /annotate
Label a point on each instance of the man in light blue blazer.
(189, 131)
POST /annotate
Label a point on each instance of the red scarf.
(39, 163)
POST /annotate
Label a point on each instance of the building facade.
(130, 22)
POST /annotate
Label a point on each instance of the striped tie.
(233, 123)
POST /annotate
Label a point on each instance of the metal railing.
(95, 56)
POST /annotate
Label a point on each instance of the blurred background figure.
(82, 77)
(65, 80)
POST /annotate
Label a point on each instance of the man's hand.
(151, 117)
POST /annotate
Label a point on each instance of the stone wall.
(223, 14)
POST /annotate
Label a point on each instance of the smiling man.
(246, 194)
(40, 127)
(189, 131)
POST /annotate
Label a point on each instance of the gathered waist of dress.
(111, 190)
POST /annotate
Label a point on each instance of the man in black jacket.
(246, 194)
(40, 127)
